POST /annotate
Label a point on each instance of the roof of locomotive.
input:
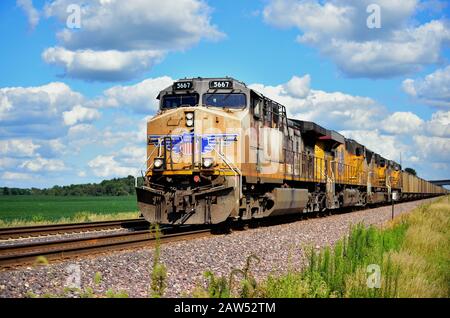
(202, 84)
(207, 79)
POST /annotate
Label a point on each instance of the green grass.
(332, 271)
(35, 209)
(424, 258)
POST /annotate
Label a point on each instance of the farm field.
(16, 210)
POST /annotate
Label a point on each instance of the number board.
(221, 84)
(182, 85)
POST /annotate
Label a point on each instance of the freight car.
(218, 150)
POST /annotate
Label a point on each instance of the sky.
(79, 79)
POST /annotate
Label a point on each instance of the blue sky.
(73, 102)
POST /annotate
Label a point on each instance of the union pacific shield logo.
(187, 143)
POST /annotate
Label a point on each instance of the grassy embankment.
(22, 210)
(412, 252)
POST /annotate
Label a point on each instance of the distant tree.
(5, 191)
(36, 191)
(411, 171)
(113, 187)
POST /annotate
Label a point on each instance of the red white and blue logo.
(186, 143)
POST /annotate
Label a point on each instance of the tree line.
(113, 187)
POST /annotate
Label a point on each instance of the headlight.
(208, 162)
(190, 119)
(158, 163)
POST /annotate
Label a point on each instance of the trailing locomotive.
(218, 150)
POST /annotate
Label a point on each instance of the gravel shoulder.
(279, 248)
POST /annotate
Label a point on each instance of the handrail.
(235, 169)
(146, 161)
(151, 154)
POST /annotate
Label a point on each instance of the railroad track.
(40, 230)
(14, 255)
(28, 252)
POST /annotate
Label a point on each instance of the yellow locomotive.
(218, 150)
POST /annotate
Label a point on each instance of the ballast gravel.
(279, 248)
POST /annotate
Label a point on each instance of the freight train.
(218, 150)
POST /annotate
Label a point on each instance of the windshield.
(228, 100)
(173, 101)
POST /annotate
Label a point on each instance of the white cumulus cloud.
(338, 29)
(439, 124)
(111, 65)
(36, 110)
(39, 164)
(107, 166)
(80, 114)
(298, 86)
(437, 149)
(140, 97)
(433, 90)
(133, 155)
(402, 123)
(18, 147)
(388, 146)
(120, 40)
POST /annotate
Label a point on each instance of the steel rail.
(28, 253)
(31, 231)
